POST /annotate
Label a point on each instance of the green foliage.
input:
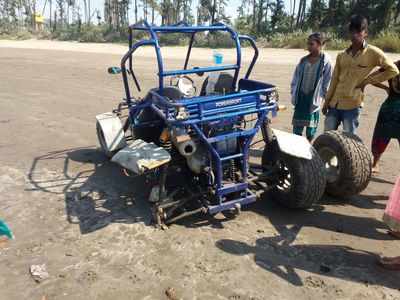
(86, 33)
(316, 13)
(67, 33)
(278, 17)
(242, 25)
(173, 39)
(336, 43)
(297, 39)
(92, 34)
(214, 40)
(267, 20)
(16, 35)
(24, 35)
(388, 40)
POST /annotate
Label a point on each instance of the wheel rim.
(331, 163)
(285, 179)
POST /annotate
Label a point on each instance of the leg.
(332, 120)
(379, 145)
(298, 130)
(350, 120)
(310, 133)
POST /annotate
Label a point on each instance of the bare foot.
(375, 170)
(390, 263)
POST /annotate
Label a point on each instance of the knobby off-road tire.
(349, 170)
(307, 180)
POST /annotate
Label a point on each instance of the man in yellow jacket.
(352, 73)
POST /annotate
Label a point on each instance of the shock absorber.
(165, 140)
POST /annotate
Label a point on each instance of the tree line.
(258, 17)
(261, 17)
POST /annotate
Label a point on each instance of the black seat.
(223, 85)
(170, 92)
(148, 115)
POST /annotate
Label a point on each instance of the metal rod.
(189, 51)
(185, 214)
(253, 61)
(123, 67)
(199, 70)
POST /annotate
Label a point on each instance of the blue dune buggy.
(195, 147)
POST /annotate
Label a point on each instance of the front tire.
(347, 161)
(300, 183)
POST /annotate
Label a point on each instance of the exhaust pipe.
(187, 148)
(183, 142)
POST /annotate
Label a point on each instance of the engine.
(196, 153)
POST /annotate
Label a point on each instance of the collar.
(364, 46)
(321, 56)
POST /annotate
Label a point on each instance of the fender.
(293, 145)
(140, 157)
(111, 126)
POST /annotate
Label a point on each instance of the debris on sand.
(171, 294)
(39, 272)
(315, 282)
(3, 242)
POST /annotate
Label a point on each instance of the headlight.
(273, 96)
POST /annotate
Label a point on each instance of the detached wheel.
(297, 182)
(347, 162)
(102, 141)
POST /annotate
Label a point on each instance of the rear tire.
(347, 161)
(305, 180)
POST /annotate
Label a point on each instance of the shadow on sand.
(96, 192)
(279, 256)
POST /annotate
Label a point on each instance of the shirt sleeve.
(388, 69)
(295, 80)
(334, 82)
(327, 76)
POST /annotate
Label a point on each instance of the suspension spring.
(232, 169)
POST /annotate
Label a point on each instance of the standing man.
(350, 76)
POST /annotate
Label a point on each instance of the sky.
(231, 8)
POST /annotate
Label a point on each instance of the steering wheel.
(185, 84)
